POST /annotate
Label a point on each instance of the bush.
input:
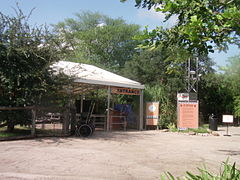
(229, 172)
(167, 108)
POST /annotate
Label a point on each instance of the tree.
(26, 54)
(200, 25)
(232, 78)
(98, 39)
(215, 95)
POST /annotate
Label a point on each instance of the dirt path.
(116, 155)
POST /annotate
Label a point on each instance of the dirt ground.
(117, 155)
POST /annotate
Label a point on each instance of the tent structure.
(88, 77)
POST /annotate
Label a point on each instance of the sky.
(53, 11)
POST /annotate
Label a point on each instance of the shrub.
(229, 172)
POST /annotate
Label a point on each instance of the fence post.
(33, 130)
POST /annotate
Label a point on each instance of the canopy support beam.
(141, 111)
(108, 108)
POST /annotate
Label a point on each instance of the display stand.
(227, 119)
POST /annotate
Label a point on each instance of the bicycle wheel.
(85, 130)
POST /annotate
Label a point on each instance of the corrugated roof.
(85, 73)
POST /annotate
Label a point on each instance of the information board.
(152, 112)
(227, 118)
(187, 115)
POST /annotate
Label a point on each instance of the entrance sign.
(187, 115)
(183, 96)
(152, 113)
(227, 118)
(126, 91)
(186, 97)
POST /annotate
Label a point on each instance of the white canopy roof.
(85, 73)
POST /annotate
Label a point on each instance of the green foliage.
(172, 127)
(215, 95)
(26, 54)
(167, 108)
(237, 106)
(229, 172)
(156, 66)
(232, 82)
(98, 39)
(199, 25)
(18, 131)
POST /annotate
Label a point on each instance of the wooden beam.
(16, 108)
(33, 130)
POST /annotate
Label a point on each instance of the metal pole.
(197, 74)
(108, 108)
(189, 75)
(141, 111)
(81, 102)
(227, 129)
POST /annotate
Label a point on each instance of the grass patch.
(18, 131)
(201, 129)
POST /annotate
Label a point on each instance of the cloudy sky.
(54, 11)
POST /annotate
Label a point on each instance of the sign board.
(185, 97)
(126, 91)
(152, 113)
(187, 115)
(227, 118)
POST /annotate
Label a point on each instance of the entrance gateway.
(88, 78)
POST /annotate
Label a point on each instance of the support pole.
(67, 116)
(108, 108)
(81, 106)
(227, 132)
(33, 130)
(141, 111)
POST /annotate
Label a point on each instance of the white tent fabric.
(85, 73)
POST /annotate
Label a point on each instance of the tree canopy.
(99, 39)
(200, 25)
(232, 78)
(26, 54)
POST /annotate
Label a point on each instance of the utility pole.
(192, 77)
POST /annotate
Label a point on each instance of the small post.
(227, 132)
(33, 130)
(73, 118)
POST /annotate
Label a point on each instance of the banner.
(152, 113)
(126, 91)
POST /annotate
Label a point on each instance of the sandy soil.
(116, 155)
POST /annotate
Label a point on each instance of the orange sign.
(187, 115)
(152, 112)
(127, 91)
